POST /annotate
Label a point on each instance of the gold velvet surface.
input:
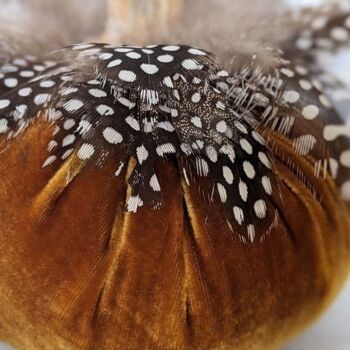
(78, 272)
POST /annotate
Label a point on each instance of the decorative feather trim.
(177, 103)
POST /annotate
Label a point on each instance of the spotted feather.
(172, 102)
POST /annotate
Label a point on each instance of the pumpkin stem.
(131, 19)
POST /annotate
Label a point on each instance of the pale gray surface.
(331, 332)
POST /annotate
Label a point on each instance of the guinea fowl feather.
(213, 113)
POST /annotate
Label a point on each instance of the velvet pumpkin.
(100, 249)
(77, 272)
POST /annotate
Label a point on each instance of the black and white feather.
(176, 103)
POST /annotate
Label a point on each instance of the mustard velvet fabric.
(78, 272)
